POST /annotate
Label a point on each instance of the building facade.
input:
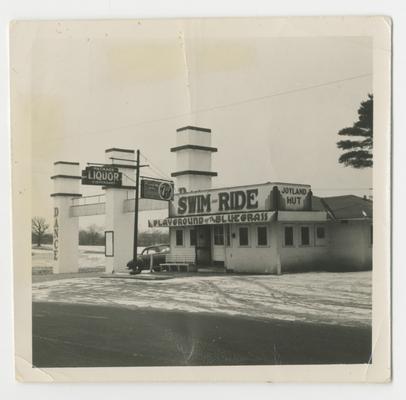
(268, 228)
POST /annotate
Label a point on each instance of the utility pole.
(137, 187)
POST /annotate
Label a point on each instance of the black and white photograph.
(208, 192)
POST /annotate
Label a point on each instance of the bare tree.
(39, 227)
(94, 232)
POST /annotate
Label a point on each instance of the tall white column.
(193, 158)
(121, 223)
(65, 228)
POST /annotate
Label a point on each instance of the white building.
(268, 228)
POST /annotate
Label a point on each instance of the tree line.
(93, 235)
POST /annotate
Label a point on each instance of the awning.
(214, 219)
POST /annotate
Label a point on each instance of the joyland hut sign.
(294, 197)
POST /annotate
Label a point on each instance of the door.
(203, 245)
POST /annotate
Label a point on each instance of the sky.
(274, 104)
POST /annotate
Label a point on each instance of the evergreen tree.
(358, 152)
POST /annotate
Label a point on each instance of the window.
(262, 236)
(218, 235)
(193, 237)
(321, 236)
(243, 234)
(288, 235)
(320, 232)
(305, 236)
(179, 237)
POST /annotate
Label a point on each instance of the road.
(80, 335)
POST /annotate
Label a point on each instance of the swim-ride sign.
(104, 176)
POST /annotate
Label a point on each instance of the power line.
(284, 93)
(153, 166)
(131, 179)
(202, 110)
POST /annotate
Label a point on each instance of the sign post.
(137, 186)
(109, 176)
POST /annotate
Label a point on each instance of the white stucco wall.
(65, 227)
(351, 246)
(346, 246)
(253, 258)
(193, 137)
(117, 219)
(66, 238)
(298, 257)
(191, 159)
(184, 253)
(193, 182)
(122, 224)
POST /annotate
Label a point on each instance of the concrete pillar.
(65, 228)
(121, 223)
(193, 159)
(278, 233)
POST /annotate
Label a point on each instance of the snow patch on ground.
(89, 256)
(331, 298)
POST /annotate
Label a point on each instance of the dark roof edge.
(66, 176)
(66, 194)
(120, 187)
(193, 128)
(194, 172)
(194, 147)
(129, 166)
(121, 150)
(66, 162)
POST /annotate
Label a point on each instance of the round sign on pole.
(165, 191)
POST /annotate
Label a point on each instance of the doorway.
(203, 245)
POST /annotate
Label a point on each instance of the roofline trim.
(194, 172)
(193, 128)
(120, 150)
(194, 147)
(66, 162)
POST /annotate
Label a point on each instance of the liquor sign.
(216, 219)
(156, 190)
(104, 176)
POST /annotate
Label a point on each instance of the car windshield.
(163, 248)
(150, 250)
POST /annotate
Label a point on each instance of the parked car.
(159, 253)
